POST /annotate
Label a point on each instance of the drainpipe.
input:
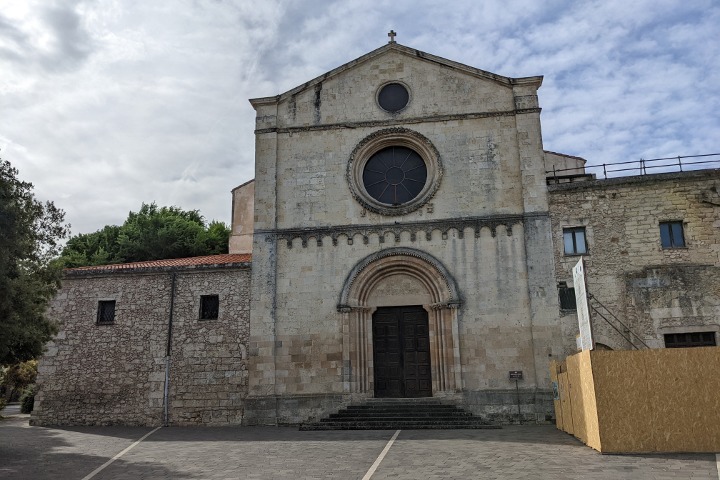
(167, 351)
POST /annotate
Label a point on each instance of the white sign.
(583, 310)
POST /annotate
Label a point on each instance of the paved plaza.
(536, 452)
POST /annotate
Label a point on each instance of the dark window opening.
(394, 175)
(567, 297)
(106, 312)
(393, 97)
(693, 339)
(574, 241)
(672, 235)
(209, 307)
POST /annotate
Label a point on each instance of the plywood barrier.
(663, 400)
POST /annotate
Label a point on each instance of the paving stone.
(284, 453)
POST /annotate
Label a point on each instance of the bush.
(3, 402)
(27, 400)
(16, 378)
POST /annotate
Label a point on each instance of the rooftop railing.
(681, 163)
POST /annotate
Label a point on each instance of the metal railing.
(644, 167)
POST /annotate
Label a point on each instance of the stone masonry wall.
(651, 289)
(115, 374)
(105, 374)
(208, 381)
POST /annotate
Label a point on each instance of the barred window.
(106, 312)
(692, 339)
(567, 297)
(209, 307)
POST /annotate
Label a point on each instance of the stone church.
(406, 235)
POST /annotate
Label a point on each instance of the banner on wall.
(583, 309)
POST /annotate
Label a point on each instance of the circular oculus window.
(394, 175)
(394, 171)
(393, 97)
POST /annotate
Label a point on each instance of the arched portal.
(398, 277)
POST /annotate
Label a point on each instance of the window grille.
(567, 297)
(693, 339)
(672, 234)
(106, 312)
(209, 307)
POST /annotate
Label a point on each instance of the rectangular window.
(574, 241)
(694, 339)
(672, 235)
(209, 307)
(106, 312)
(567, 297)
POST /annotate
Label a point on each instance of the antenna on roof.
(392, 34)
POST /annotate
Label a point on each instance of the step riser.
(395, 427)
(399, 414)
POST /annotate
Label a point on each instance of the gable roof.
(225, 260)
(411, 52)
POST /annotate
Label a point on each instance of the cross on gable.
(392, 34)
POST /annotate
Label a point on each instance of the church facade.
(420, 223)
(405, 242)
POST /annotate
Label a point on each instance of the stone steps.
(399, 414)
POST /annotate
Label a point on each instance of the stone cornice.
(396, 229)
(398, 121)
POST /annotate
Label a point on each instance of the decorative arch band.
(417, 263)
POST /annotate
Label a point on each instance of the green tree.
(152, 233)
(30, 236)
(99, 248)
(16, 378)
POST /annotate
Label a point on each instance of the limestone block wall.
(243, 212)
(486, 130)
(301, 355)
(654, 290)
(435, 89)
(115, 374)
(481, 174)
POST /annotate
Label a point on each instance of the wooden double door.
(401, 352)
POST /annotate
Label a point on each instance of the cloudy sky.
(106, 104)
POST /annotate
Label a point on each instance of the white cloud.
(110, 103)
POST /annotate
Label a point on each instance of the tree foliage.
(153, 233)
(30, 236)
(17, 377)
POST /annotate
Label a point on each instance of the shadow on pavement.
(46, 453)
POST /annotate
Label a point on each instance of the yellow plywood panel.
(688, 415)
(623, 400)
(589, 412)
(665, 400)
(565, 405)
(575, 397)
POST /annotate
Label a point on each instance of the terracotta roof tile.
(172, 262)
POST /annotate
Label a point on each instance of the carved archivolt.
(362, 279)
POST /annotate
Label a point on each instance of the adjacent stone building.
(130, 331)
(410, 237)
(652, 254)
